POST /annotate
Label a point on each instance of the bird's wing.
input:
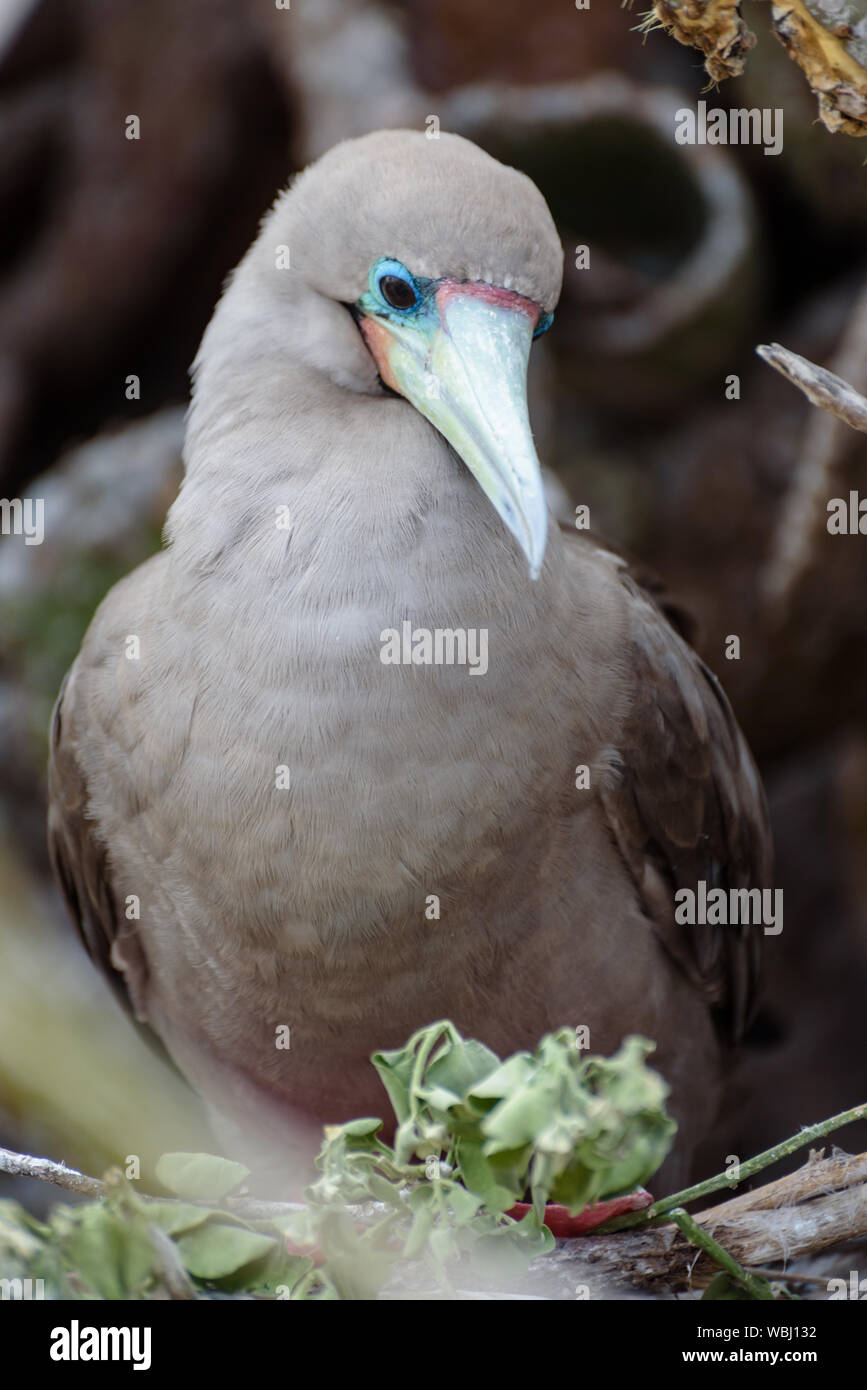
(80, 863)
(685, 803)
(91, 710)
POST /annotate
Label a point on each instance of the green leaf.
(278, 1274)
(115, 1258)
(504, 1079)
(381, 1190)
(17, 1234)
(722, 1289)
(422, 1225)
(175, 1217)
(463, 1204)
(395, 1070)
(479, 1176)
(361, 1129)
(215, 1251)
(575, 1187)
(463, 1067)
(534, 1234)
(442, 1243)
(649, 1145)
(518, 1118)
(511, 1167)
(204, 1176)
(16, 1215)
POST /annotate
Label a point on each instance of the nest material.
(827, 41)
(821, 48)
(715, 27)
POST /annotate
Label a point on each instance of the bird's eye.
(392, 284)
(397, 292)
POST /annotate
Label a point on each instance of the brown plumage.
(264, 905)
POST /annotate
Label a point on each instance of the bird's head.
(457, 349)
(450, 265)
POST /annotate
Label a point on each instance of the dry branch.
(827, 42)
(820, 1205)
(827, 456)
(825, 389)
(714, 27)
(825, 48)
(46, 1170)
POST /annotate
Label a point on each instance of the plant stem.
(746, 1170)
(429, 1037)
(755, 1286)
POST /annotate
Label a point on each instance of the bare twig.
(824, 41)
(785, 1276)
(46, 1170)
(715, 28)
(823, 1203)
(820, 386)
(838, 1172)
(170, 1268)
(824, 47)
(809, 1214)
(829, 457)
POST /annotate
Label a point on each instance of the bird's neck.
(341, 501)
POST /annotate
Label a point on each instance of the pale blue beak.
(463, 365)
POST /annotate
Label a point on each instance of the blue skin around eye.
(373, 303)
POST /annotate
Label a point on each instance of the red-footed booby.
(314, 768)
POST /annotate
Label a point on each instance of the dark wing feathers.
(80, 863)
(687, 805)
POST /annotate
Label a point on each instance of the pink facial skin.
(379, 340)
(491, 294)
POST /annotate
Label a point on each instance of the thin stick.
(825, 389)
(723, 1180)
(828, 465)
(782, 1276)
(170, 1268)
(46, 1170)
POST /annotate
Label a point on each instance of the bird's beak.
(463, 365)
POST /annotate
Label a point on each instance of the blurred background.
(112, 254)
